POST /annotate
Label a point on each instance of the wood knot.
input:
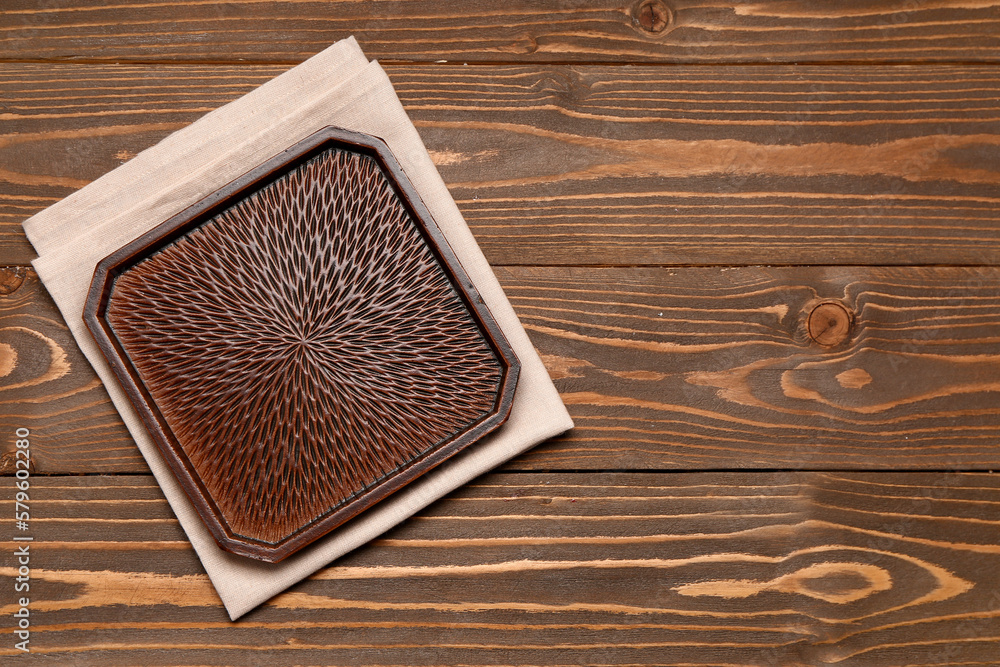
(829, 323)
(11, 279)
(8, 464)
(653, 16)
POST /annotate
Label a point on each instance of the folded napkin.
(336, 87)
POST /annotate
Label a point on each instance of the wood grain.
(64, 126)
(47, 386)
(848, 136)
(697, 569)
(520, 31)
(668, 368)
(713, 367)
(602, 165)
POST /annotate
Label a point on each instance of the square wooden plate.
(301, 343)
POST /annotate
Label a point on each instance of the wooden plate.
(301, 343)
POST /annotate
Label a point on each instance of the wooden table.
(667, 192)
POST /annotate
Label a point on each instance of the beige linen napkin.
(336, 87)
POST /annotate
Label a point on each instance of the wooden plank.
(616, 569)
(714, 368)
(602, 165)
(673, 31)
(689, 368)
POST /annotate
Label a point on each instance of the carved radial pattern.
(303, 344)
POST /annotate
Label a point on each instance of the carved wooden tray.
(301, 343)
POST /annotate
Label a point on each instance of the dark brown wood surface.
(753, 236)
(614, 569)
(634, 31)
(602, 165)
